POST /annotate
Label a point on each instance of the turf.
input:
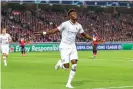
(36, 71)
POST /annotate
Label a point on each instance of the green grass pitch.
(110, 70)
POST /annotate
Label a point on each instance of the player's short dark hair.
(71, 10)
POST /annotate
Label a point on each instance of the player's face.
(73, 15)
(4, 31)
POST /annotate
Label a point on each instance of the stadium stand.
(108, 26)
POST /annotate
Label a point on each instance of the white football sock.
(72, 73)
(5, 63)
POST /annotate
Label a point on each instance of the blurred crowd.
(109, 26)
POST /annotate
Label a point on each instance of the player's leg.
(21, 50)
(5, 51)
(3, 55)
(24, 50)
(5, 59)
(64, 62)
(94, 50)
(73, 57)
(0, 53)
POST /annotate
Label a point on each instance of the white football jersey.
(0, 39)
(5, 38)
(0, 42)
(69, 31)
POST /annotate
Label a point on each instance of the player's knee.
(74, 67)
(66, 66)
(74, 61)
(94, 50)
(4, 56)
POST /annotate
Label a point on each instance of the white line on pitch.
(120, 87)
(116, 58)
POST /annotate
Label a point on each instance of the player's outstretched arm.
(87, 36)
(10, 39)
(50, 32)
(91, 38)
(47, 32)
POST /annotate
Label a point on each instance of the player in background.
(95, 43)
(69, 29)
(5, 40)
(22, 45)
(0, 45)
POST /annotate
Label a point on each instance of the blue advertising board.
(100, 47)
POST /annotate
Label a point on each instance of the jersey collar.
(72, 23)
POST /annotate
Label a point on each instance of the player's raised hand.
(40, 33)
(47, 32)
(44, 33)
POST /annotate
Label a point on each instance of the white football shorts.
(5, 49)
(68, 54)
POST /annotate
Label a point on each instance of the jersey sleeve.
(61, 27)
(9, 37)
(81, 29)
(0, 39)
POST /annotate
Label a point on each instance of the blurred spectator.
(24, 24)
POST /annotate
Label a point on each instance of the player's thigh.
(74, 56)
(6, 50)
(95, 47)
(65, 55)
(3, 49)
(22, 48)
